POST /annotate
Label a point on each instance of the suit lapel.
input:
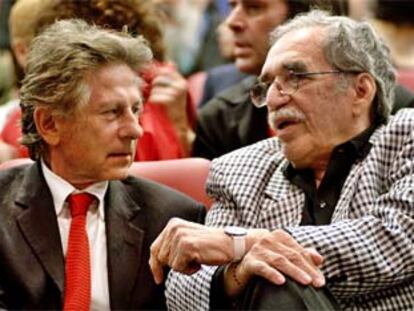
(284, 201)
(124, 240)
(351, 186)
(37, 222)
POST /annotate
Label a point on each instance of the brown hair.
(59, 61)
(140, 17)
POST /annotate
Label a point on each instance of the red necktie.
(78, 271)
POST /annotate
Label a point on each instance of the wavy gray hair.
(352, 46)
(58, 63)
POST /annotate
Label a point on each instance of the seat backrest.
(15, 162)
(406, 78)
(187, 175)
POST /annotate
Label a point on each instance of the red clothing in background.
(159, 142)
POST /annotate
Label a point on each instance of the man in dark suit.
(81, 100)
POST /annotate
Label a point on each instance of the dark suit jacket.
(31, 258)
(229, 121)
(218, 79)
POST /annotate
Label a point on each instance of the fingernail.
(320, 281)
(280, 280)
(307, 279)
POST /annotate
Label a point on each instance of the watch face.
(237, 231)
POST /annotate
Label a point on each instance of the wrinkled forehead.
(299, 50)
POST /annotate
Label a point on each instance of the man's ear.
(46, 125)
(20, 50)
(365, 90)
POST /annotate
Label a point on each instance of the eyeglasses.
(286, 84)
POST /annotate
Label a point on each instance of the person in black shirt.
(323, 210)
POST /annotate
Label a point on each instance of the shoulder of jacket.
(236, 94)
(264, 151)
(398, 128)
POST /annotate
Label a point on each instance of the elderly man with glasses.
(324, 211)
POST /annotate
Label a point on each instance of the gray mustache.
(289, 113)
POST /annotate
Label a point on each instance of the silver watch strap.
(239, 243)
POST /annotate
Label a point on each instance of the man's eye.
(111, 112)
(253, 8)
(136, 110)
(294, 76)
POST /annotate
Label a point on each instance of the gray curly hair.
(58, 62)
(351, 46)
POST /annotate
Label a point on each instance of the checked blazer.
(369, 245)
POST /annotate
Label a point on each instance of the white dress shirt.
(60, 190)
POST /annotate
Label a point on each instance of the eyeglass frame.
(264, 86)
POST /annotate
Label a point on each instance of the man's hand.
(7, 152)
(184, 246)
(273, 257)
(170, 89)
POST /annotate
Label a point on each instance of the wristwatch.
(238, 234)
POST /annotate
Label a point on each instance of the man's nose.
(235, 19)
(131, 128)
(275, 96)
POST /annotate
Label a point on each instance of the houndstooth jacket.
(369, 245)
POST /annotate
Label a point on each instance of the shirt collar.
(61, 189)
(361, 142)
(358, 145)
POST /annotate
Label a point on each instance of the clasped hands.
(185, 246)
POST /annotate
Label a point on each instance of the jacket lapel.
(124, 240)
(37, 222)
(284, 201)
(350, 189)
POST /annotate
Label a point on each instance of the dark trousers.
(260, 294)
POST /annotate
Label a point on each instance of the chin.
(247, 66)
(117, 174)
(294, 156)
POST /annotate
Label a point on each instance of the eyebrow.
(296, 66)
(247, 2)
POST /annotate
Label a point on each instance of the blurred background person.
(359, 9)
(7, 79)
(168, 111)
(190, 30)
(394, 20)
(220, 77)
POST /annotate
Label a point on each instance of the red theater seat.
(186, 175)
(406, 78)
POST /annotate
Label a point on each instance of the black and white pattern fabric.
(369, 245)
